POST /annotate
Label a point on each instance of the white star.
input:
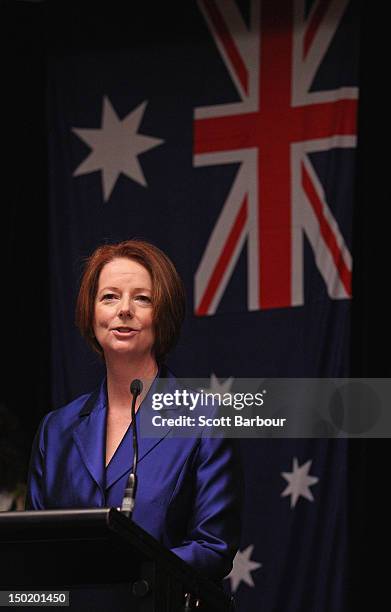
(116, 146)
(299, 482)
(219, 387)
(242, 568)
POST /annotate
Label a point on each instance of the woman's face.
(123, 320)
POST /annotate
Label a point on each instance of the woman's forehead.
(123, 269)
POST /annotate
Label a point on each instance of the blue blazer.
(189, 489)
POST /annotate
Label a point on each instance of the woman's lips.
(124, 332)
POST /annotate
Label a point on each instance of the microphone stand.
(128, 501)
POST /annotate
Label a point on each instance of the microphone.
(136, 387)
(127, 507)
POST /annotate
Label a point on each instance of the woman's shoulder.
(74, 406)
(71, 411)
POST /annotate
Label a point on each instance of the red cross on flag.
(276, 197)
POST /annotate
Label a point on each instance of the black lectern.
(103, 559)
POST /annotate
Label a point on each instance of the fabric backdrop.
(225, 133)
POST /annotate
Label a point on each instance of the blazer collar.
(122, 460)
(90, 434)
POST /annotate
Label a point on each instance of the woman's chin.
(125, 350)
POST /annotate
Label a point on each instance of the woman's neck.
(119, 376)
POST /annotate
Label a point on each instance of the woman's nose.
(125, 308)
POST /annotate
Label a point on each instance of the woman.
(130, 309)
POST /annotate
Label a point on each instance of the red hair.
(168, 293)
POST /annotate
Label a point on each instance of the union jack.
(276, 196)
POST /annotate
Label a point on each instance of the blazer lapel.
(90, 435)
(122, 460)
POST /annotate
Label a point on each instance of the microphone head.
(136, 387)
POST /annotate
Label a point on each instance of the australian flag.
(223, 131)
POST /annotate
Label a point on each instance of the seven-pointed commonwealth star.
(299, 482)
(242, 568)
(219, 387)
(116, 146)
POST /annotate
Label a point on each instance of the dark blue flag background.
(127, 159)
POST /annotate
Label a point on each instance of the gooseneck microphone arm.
(127, 507)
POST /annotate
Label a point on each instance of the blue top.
(189, 489)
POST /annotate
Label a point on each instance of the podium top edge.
(49, 516)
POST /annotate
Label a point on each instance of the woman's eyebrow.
(118, 289)
(108, 289)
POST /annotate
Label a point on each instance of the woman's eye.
(109, 296)
(143, 298)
